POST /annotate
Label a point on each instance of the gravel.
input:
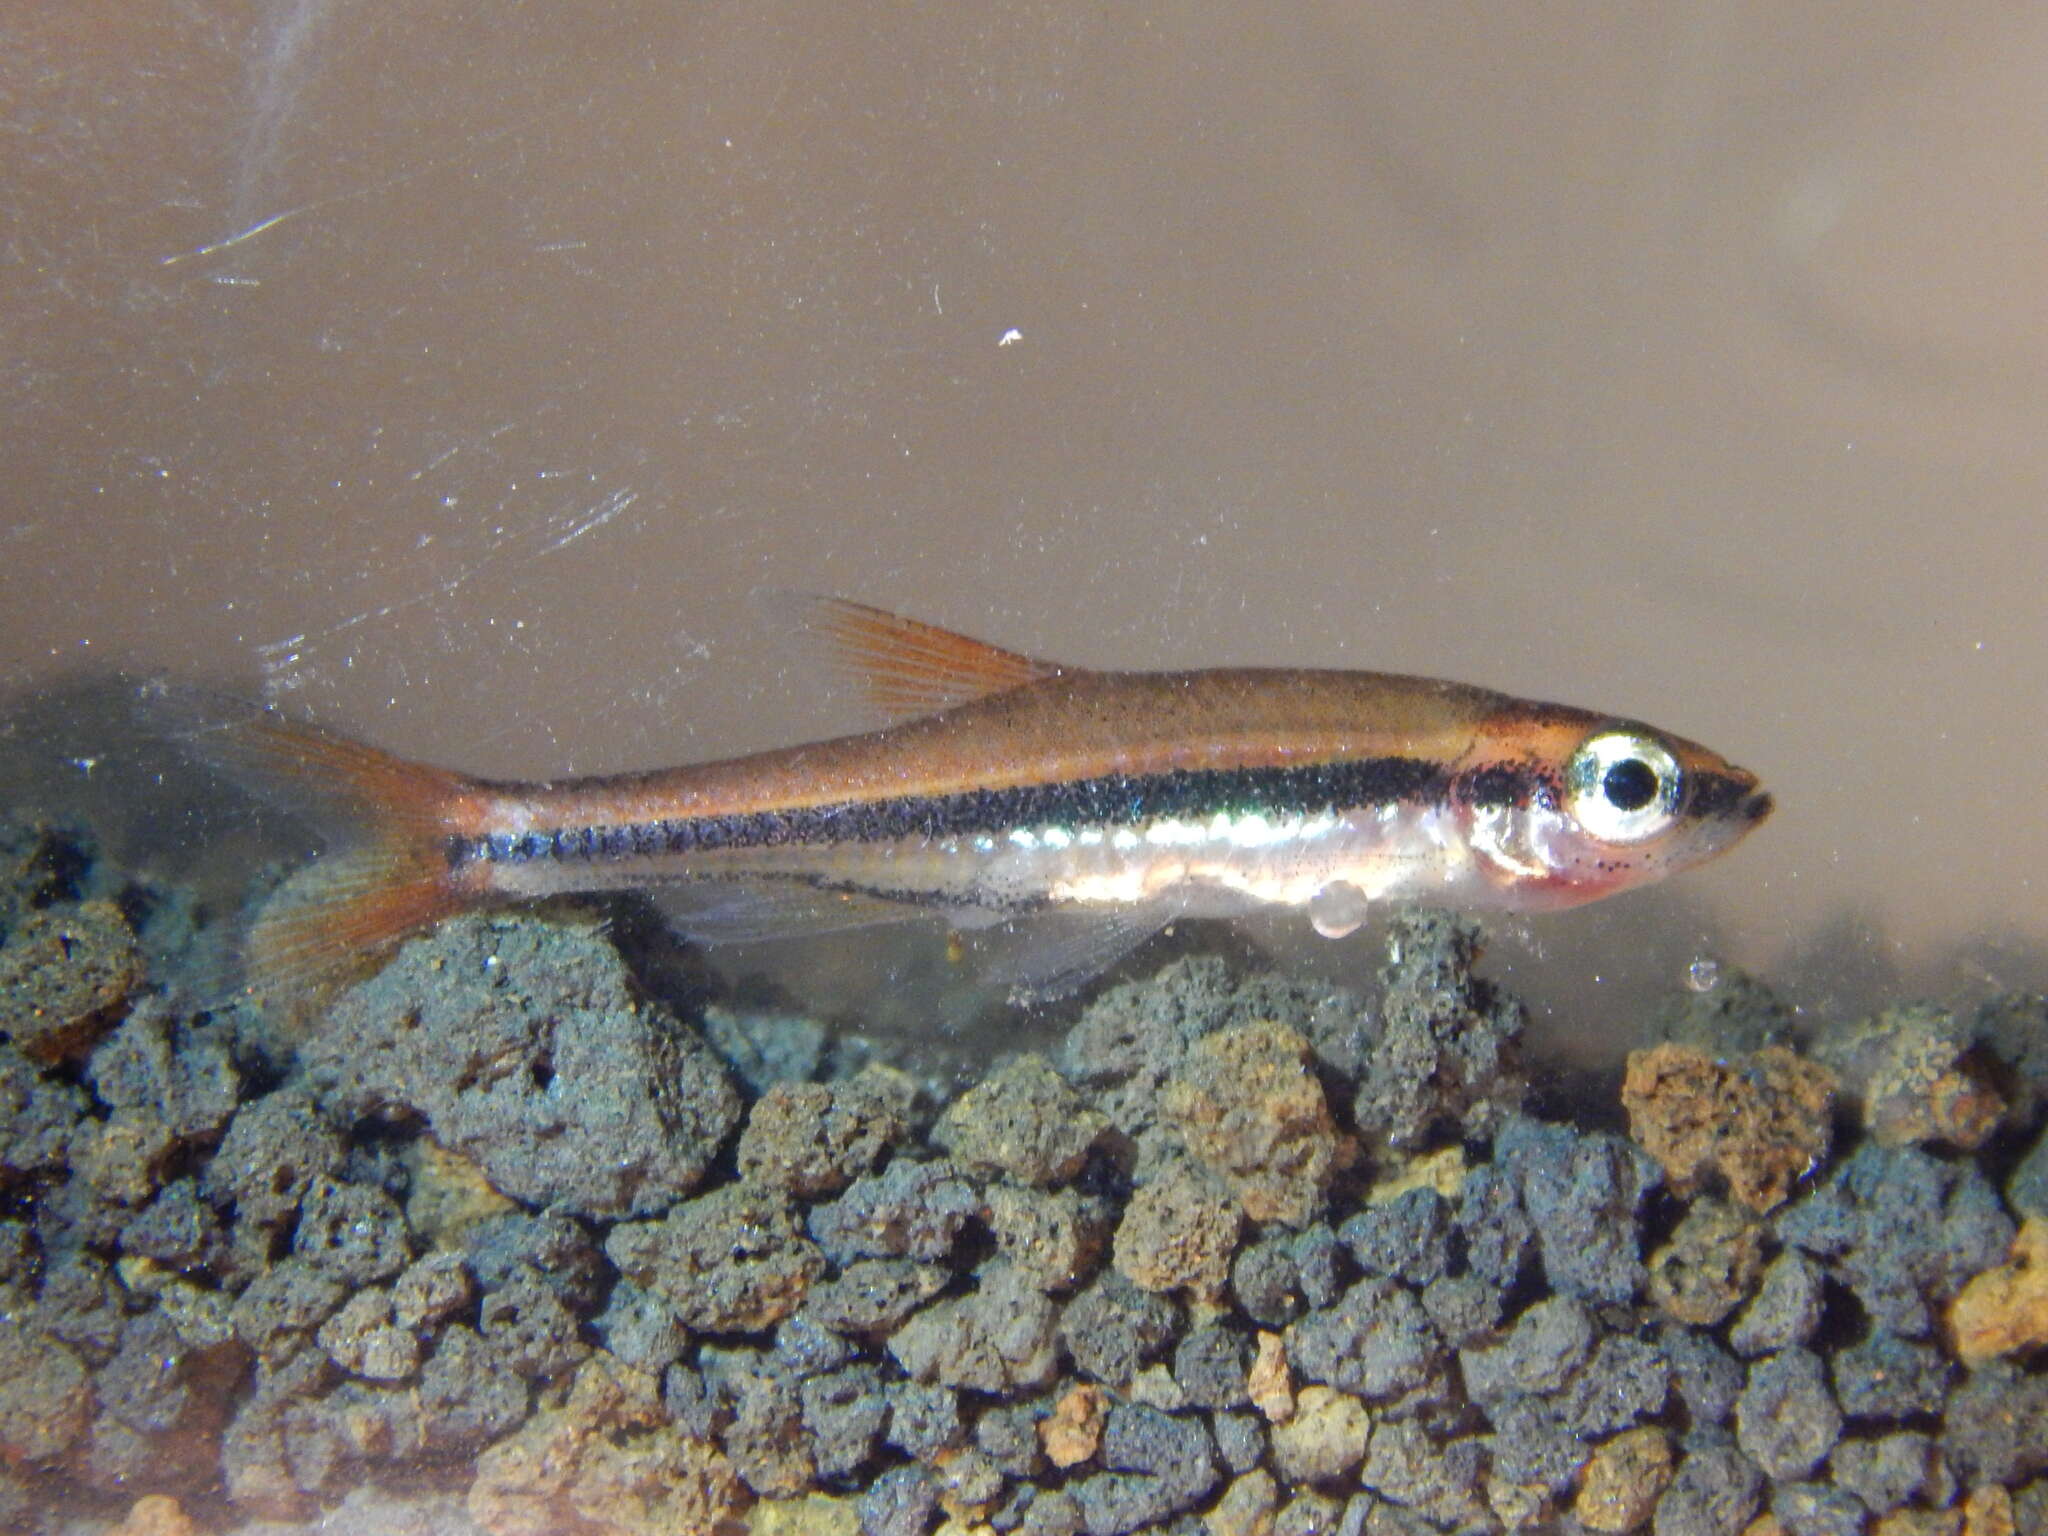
(508, 1240)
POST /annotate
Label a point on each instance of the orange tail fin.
(387, 823)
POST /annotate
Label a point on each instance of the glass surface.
(452, 377)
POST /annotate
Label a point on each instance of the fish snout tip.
(1756, 807)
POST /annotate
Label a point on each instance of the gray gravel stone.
(1625, 1380)
(1441, 1482)
(1498, 1234)
(1786, 1421)
(1464, 1309)
(1883, 1473)
(731, 1261)
(466, 1397)
(1376, 1343)
(641, 1328)
(1887, 1377)
(1583, 1193)
(909, 1210)
(1532, 1444)
(998, 1338)
(845, 1412)
(523, 1045)
(1785, 1310)
(354, 1233)
(1157, 1466)
(180, 1073)
(36, 1117)
(1021, 1122)
(873, 1296)
(1112, 1328)
(1903, 1230)
(1714, 1492)
(1319, 1267)
(2027, 1189)
(1547, 1343)
(1815, 1509)
(1240, 1441)
(1407, 1238)
(803, 1348)
(1707, 1378)
(1446, 1052)
(274, 1149)
(1265, 1282)
(904, 1501)
(924, 1419)
(1209, 1367)
(1995, 1427)
(530, 1328)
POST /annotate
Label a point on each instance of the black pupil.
(1630, 785)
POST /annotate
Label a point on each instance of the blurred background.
(452, 374)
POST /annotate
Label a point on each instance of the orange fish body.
(1011, 787)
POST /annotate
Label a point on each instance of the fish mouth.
(1728, 797)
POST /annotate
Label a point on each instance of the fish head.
(1566, 806)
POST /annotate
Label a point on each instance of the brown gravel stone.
(605, 1462)
(1248, 1104)
(1246, 1508)
(813, 1139)
(1269, 1382)
(1919, 1522)
(156, 1514)
(1987, 1511)
(1622, 1481)
(2005, 1309)
(449, 1194)
(45, 1397)
(1761, 1121)
(1324, 1439)
(363, 1341)
(1178, 1231)
(1071, 1433)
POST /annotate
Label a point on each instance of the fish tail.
(389, 825)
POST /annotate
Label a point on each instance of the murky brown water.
(454, 376)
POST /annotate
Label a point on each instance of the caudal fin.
(387, 823)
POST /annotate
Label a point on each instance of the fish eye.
(1623, 785)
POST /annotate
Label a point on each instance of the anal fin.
(712, 911)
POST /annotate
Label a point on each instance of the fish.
(1084, 809)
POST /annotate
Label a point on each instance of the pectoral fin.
(1050, 955)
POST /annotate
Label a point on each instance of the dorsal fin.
(904, 668)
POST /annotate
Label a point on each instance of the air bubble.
(1337, 909)
(1703, 974)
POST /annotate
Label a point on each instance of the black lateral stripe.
(1114, 801)
(1508, 784)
